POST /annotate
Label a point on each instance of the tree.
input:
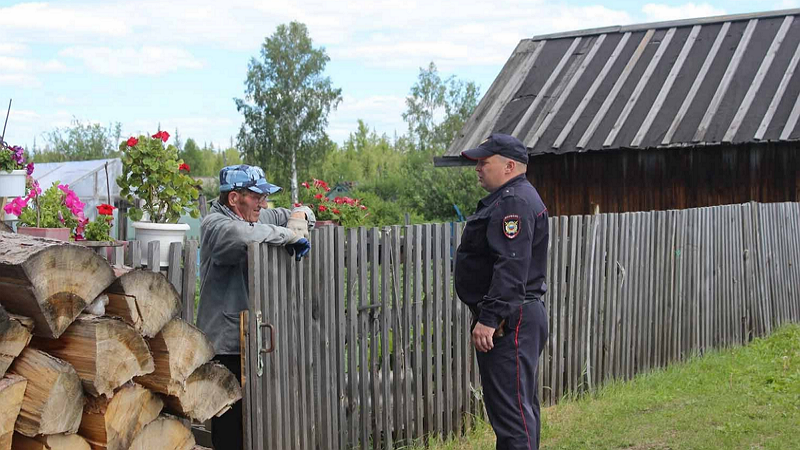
(80, 142)
(286, 104)
(192, 155)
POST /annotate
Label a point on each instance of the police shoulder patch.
(511, 226)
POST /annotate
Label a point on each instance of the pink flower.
(362, 207)
(16, 206)
(132, 141)
(29, 168)
(305, 184)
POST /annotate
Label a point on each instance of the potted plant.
(340, 210)
(153, 174)
(13, 171)
(56, 213)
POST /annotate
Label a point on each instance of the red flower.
(335, 211)
(305, 184)
(105, 209)
(132, 141)
(163, 135)
(298, 204)
(184, 166)
(323, 208)
(318, 196)
(338, 200)
(362, 207)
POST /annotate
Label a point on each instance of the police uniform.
(500, 275)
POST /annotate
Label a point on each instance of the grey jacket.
(223, 268)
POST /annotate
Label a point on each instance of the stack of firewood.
(94, 357)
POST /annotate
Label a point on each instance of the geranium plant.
(99, 229)
(347, 211)
(152, 172)
(56, 207)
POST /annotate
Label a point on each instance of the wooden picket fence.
(372, 346)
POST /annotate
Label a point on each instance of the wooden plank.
(247, 368)
(793, 216)
(189, 281)
(134, 258)
(315, 293)
(612, 96)
(588, 289)
(649, 289)
(378, 410)
(154, 256)
(576, 115)
(298, 297)
(400, 340)
(459, 353)
(698, 80)
(722, 88)
(666, 87)
(366, 411)
(669, 285)
(619, 291)
(353, 347)
(544, 91)
(408, 326)
(545, 363)
(536, 132)
(633, 307)
(639, 294)
(640, 86)
(429, 351)
(658, 263)
(289, 412)
(278, 415)
(558, 318)
(755, 85)
(174, 269)
(340, 329)
(419, 333)
(678, 251)
(447, 331)
(436, 328)
(386, 323)
(571, 300)
(583, 263)
(778, 97)
(254, 411)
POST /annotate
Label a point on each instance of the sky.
(179, 64)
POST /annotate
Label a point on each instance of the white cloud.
(39, 17)
(655, 12)
(383, 113)
(125, 61)
(10, 48)
(19, 80)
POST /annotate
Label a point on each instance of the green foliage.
(11, 158)
(80, 142)
(99, 229)
(193, 156)
(152, 172)
(286, 104)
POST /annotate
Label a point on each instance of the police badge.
(511, 226)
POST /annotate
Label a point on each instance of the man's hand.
(298, 224)
(301, 247)
(482, 337)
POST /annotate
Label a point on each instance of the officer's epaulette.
(507, 192)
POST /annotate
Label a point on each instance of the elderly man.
(500, 274)
(236, 219)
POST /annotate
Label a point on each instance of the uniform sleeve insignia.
(511, 226)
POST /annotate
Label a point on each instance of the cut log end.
(12, 391)
(144, 299)
(210, 391)
(53, 400)
(15, 335)
(51, 442)
(112, 424)
(164, 433)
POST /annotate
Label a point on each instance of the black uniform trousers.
(508, 377)
(227, 431)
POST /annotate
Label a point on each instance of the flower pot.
(165, 233)
(12, 184)
(62, 234)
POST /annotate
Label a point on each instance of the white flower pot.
(12, 184)
(165, 233)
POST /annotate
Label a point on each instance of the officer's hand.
(301, 247)
(482, 337)
(299, 226)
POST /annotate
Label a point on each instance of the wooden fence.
(372, 346)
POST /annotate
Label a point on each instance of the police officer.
(500, 274)
(236, 219)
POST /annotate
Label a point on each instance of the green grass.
(742, 398)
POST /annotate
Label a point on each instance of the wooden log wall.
(372, 346)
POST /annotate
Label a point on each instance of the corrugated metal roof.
(728, 79)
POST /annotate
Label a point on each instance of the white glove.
(310, 217)
(298, 226)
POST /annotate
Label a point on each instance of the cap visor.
(476, 154)
(265, 188)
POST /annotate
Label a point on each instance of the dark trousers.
(508, 377)
(227, 432)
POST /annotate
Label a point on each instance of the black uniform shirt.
(502, 259)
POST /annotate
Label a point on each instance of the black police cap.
(499, 144)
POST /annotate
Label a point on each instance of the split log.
(12, 391)
(15, 334)
(143, 299)
(164, 433)
(50, 442)
(210, 391)
(112, 424)
(178, 350)
(105, 352)
(49, 281)
(53, 400)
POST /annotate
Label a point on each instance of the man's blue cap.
(244, 176)
(499, 144)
